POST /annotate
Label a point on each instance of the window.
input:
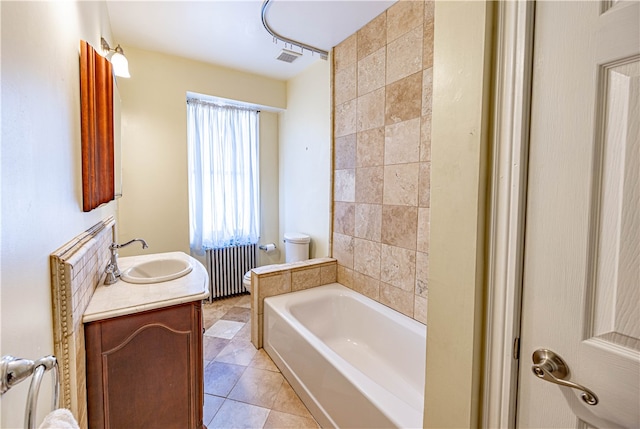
(223, 175)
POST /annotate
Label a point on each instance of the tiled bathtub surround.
(382, 136)
(271, 280)
(76, 269)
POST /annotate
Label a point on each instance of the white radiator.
(226, 268)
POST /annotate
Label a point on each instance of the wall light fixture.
(118, 60)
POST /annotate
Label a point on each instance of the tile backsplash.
(76, 269)
(382, 83)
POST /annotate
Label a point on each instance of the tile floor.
(243, 387)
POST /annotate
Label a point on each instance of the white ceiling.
(230, 32)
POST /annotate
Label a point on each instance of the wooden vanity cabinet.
(144, 370)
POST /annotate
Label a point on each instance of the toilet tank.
(296, 246)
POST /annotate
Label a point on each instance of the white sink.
(157, 270)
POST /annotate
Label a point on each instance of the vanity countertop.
(122, 298)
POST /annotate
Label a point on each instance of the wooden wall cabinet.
(145, 370)
(96, 120)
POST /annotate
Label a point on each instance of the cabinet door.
(145, 370)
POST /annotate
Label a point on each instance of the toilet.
(246, 281)
(296, 248)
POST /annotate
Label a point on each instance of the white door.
(581, 293)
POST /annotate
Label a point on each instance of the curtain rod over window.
(193, 100)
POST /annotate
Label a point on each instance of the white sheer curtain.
(223, 175)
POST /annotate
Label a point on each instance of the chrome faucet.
(112, 270)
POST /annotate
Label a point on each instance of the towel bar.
(14, 370)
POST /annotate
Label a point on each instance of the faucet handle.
(111, 277)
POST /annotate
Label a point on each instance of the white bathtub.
(353, 361)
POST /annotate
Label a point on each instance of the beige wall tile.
(345, 276)
(401, 184)
(368, 223)
(427, 45)
(345, 84)
(344, 186)
(404, 55)
(422, 274)
(345, 152)
(424, 185)
(425, 138)
(343, 250)
(424, 227)
(272, 285)
(402, 17)
(389, 178)
(256, 321)
(371, 110)
(398, 267)
(344, 217)
(370, 147)
(371, 72)
(396, 298)
(427, 91)
(366, 257)
(329, 274)
(399, 226)
(402, 142)
(345, 54)
(345, 118)
(305, 279)
(404, 99)
(369, 185)
(420, 309)
(429, 6)
(372, 36)
(366, 286)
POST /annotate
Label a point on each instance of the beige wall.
(305, 158)
(154, 143)
(382, 99)
(41, 172)
(269, 186)
(459, 139)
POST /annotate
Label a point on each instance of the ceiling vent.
(288, 56)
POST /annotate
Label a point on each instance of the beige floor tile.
(263, 361)
(287, 401)
(211, 406)
(224, 329)
(244, 301)
(244, 333)
(212, 346)
(277, 419)
(244, 388)
(238, 352)
(257, 387)
(220, 377)
(238, 314)
(238, 415)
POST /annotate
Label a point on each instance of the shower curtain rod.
(323, 54)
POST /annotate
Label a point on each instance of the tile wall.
(382, 81)
(76, 269)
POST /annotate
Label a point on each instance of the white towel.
(59, 419)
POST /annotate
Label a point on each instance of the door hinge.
(516, 348)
